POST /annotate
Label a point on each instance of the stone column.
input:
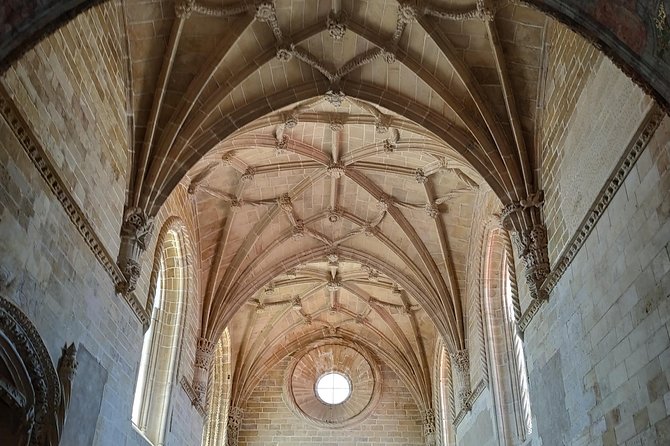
(235, 416)
(428, 420)
(135, 236)
(461, 361)
(204, 354)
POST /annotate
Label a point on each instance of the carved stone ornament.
(428, 424)
(227, 158)
(461, 361)
(184, 8)
(389, 54)
(534, 200)
(335, 97)
(333, 285)
(431, 210)
(204, 354)
(532, 246)
(384, 202)
(265, 11)
(382, 125)
(336, 25)
(420, 176)
(407, 12)
(334, 215)
(35, 396)
(284, 53)
(281, 146)
(389, 146)
(235, 417)
(335, 170)
(336, 125)
(248, 175)
(333, 258)
(290, 121)
(298, 230)
(135, 236)
(284, 203)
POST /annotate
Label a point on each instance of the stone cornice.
(626, 163)
(49, 173)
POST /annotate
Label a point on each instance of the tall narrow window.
(507, 367)
(511, 312)
(157, 366)
(446, 401)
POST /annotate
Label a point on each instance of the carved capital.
(136, 232)
(461, 360)
(535, 200)
(137, 226)
(428, 423)
(234, 422)
(532, 246)
(204, 353)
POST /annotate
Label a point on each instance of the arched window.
(447, 430)
(159, 351)
(506, 358)
(214, 433)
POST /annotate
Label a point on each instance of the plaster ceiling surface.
(335, 151)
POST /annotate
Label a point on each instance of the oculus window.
(333, 388)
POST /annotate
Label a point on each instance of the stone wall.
(589, 118)
(70, 95)
(478, 428)
(267, 419)
(599, 348)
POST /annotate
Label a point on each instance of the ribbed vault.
(335, 151)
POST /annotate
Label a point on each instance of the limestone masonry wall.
(267, 419)
(598, 353)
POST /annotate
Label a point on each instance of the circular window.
(333, 388)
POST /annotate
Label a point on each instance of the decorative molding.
(38, 394)
(45, 166)
(624, 166)
(481, 385)
(192, 396)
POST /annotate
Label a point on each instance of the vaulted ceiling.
(335, 152)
